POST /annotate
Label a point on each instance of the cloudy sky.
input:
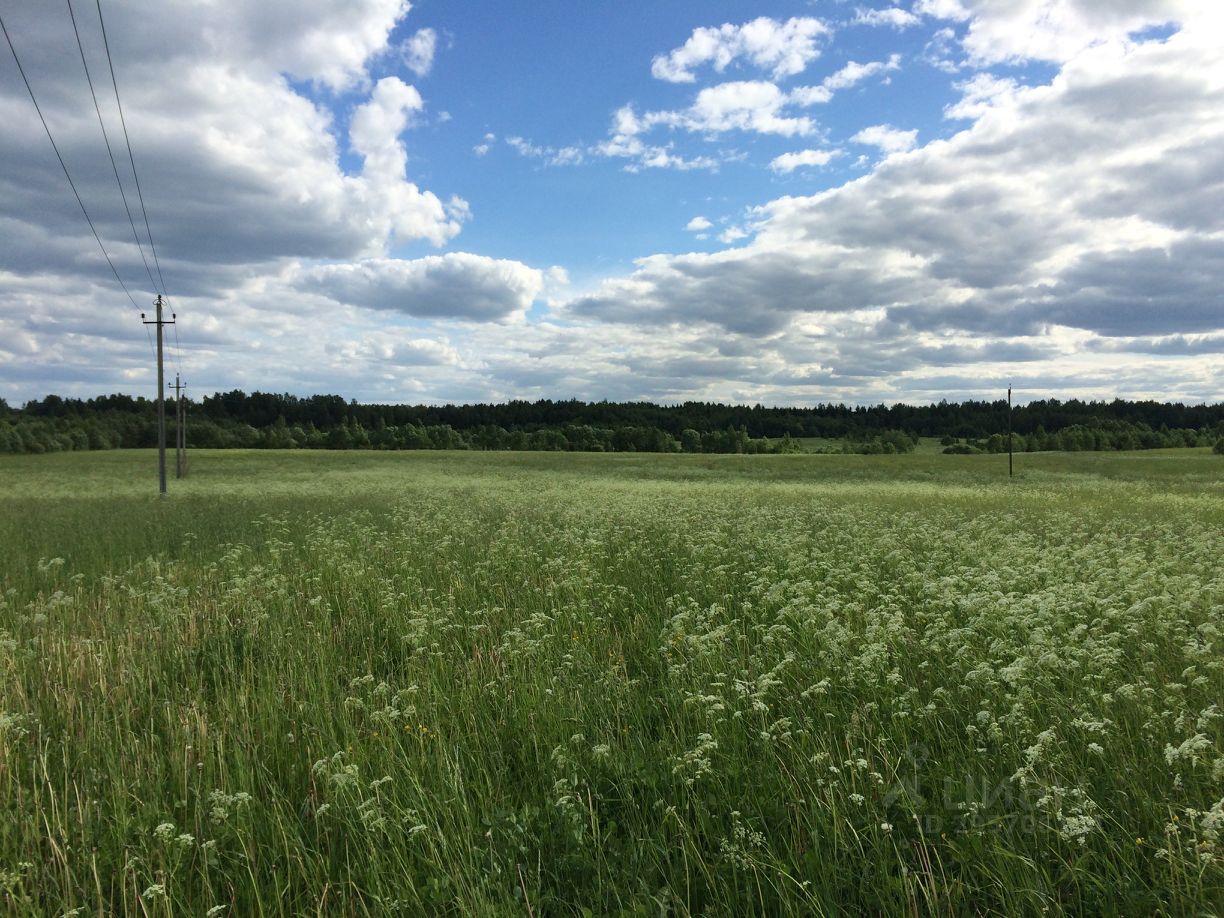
(767, 201)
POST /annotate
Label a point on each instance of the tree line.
(268, 420)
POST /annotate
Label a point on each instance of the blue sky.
(555, 81)
(783, 202)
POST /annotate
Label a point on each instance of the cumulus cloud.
(624, 142)
(979, 94)
(750, 106)
(1081, 211)
(893, 16)
(395, 348)
(397, 208)
(782, 48)
(485, 145)
(698, 224)
(419, 51)
(552, 156)
(456, 285)
(854, 72)
(310, 39)
(238, 169)
(244, 168)
(745, 106)
(1069, 235)
(888, 138)
(1052, 30)
(789, 162)
(753, 106)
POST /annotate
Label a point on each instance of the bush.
(1218, 449)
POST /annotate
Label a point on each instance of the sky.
(770, 202)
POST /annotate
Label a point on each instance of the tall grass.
(569, 685)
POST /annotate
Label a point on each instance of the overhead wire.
(160, 287)
(127, 140)
(63, 165)
(110, 63)
(109, 151)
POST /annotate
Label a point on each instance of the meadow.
(576, 684)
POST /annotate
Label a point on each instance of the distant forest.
(266, 420)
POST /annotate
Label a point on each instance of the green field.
(581, 684)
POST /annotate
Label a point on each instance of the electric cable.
(123, 121)
(110, 63)
(63, 165)
(109, 151)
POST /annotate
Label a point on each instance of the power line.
(139, 194)
(109, 151)
(127, 140)
(63, 165)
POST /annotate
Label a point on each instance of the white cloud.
(849, 75)
(854, 72)
(893, 16)
(241, 168)
(789, 162)
(399, 209)
(1069, 235)
(376, 125)
(397, 349)
(698, 224)
(624, 143)
(1064, 217)
(552, 156)
(782, 48)
(1053, 30)
(419, 51)
(942, 9)
(746, 106)
(311, 39)
(755, 106)
(889, 139)
(454, 285)
(980, 94)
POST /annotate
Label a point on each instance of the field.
(538, 684)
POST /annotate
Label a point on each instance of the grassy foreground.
(535, 684)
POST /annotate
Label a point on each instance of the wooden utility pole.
(161, 396)
(180, 429)
(1009, 434)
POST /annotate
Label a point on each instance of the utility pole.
(1009, 433)
(161, 395)
(180, 429)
